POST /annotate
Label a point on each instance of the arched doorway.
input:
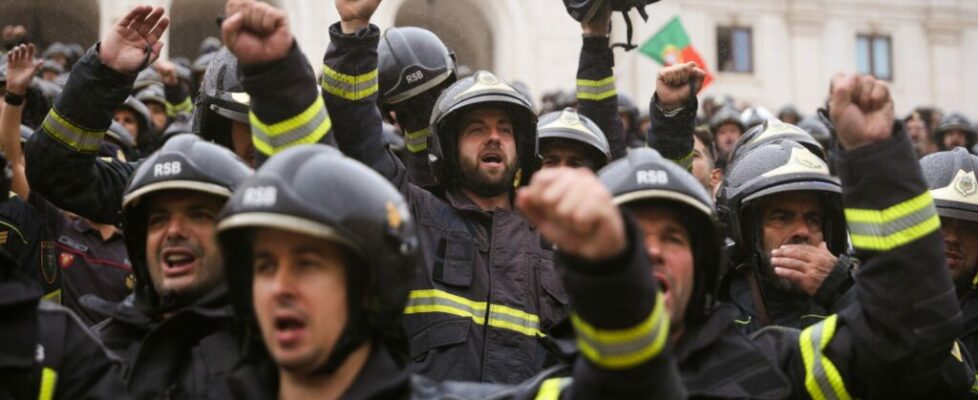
(458, 23)
(49, 21)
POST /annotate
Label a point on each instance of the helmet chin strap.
(357, 330)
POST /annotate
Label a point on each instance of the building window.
(874, 56)
(735, 49)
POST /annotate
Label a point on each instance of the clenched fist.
(256, 32)
(573, 210)
(861, 109)
(675, 84)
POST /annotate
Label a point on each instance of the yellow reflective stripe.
(481, 313)
(550, 389)
(48, 380)
(596, 89)
(310, 126)
(616, 349)
(71, 134)
(974, 385)
(54, 296)
(822, 379)
(185, 105)
(350, 87)
(685, 161)
(417, 141)
(902, 223)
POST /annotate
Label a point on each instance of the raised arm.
(61, 156)
(21, 67)
(597, 96)
(673, 112)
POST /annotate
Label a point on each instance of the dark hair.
(703, 134)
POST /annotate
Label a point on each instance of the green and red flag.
(671, 45)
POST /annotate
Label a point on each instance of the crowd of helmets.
(200, 136)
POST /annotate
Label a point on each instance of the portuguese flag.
(671, 45)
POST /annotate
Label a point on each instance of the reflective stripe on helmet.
(897, 225)
(596, 90)
(309, 126)
(482, 313)
(417, 141)
(48, 380)
(550, 389)
(350, 87)
(625, 348)
(71, 134)
(822, 379)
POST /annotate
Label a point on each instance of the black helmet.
(152, 93)
(57, 48)
(584, 10)
(222, 98)
(773, 167)
(952, 177)
(148, 76)
(183, 163)
(726, 115)
(118, 141)
(773, 129)
(569, 125)
(789, 110)
(480, 90)
(815, 127)
(627, 106)
(754, 116)
(316, 191)
(412, 61)
(955, 121)
(147, 140)
(644, 175)
(52, 66)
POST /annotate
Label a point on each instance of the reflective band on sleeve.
(350, 87)
(821, 378)
(49, 378)
(71, 134)
(184, 106)
(310, 126)
(626, 348)
(54, 296)
(481, 313)
(902, 223)
(686, 161)
(596, 90)
(550, 389)
(417, 141)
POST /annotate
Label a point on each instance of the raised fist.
(861, 109)
(675, 84)
(256, 32)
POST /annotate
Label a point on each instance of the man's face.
(702, 164)
(726, 137)
(49, 75)
(562, 153)
(670, 248)
(128, 119)
(181, 252)
(241, 141)
(157, 113)
(960, 247)
(487, 151)
(918, 135)
(300, 297)
(954, 138)
(788, 218)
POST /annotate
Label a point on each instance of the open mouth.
(492, 159)
(663, 282)
(178, 261)
(289, 329)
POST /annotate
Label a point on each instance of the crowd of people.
(237, 227)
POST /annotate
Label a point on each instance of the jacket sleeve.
(897, 339)
(672, 135)
(61, 155)
(622, 327)
(597, 96)
(177, 100)
(350, 87)
(286, 109)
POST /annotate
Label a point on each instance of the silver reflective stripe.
(891, 227)
(286, 138)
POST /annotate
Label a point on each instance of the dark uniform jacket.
(182, 355)
(26, 236)
(626, 341)
(969, 335)
(882, 346)
(597, 97)
(45, 352)
(490, 291)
